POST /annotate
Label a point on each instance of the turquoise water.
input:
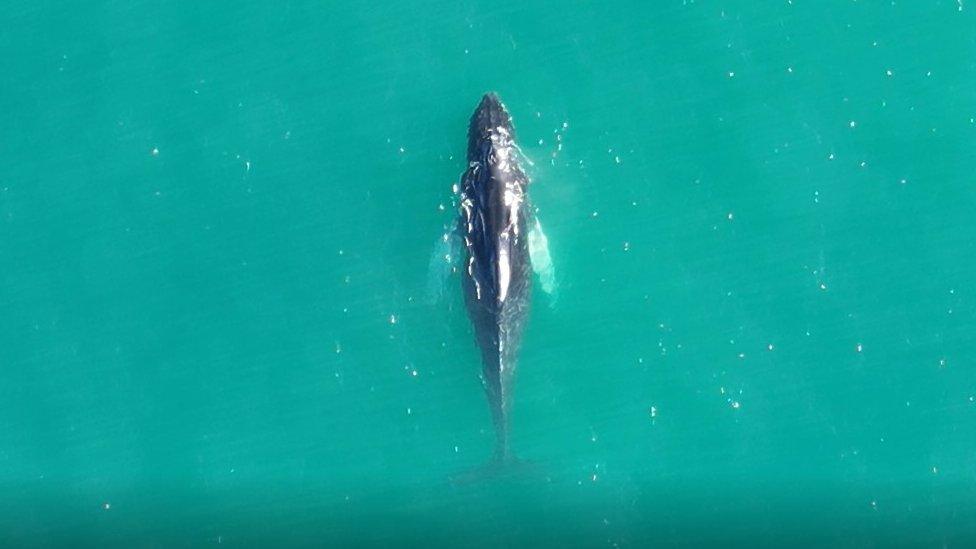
(216, 221)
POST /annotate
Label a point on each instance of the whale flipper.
(540, 258)
(444, 261)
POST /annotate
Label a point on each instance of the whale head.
(490, 125)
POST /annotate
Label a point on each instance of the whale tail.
(503, 451)
(503, 462)
(499, 467)
(498, 378)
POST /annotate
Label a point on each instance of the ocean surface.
(216, 221)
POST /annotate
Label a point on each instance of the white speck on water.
(653, 411)
(742, 355)
(595, 214)
(730, 216)
(823, 286)
(874, 504)
(402, 150)
(859, 348)
(770, 347)
(409, 411)
(863, 163)
(942, 363)
(935, 470)
(154, 151)
(735, 404)
(541, 142)
(731, 74)
(626, 246)
(830, 156)
(888, 72)
(903, 181)
(393, 319)
(789, 70)
(107, 506)
(616, 159)
(338, 347)
(413, 373)
(852, 123)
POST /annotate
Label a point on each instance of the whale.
(494, 221)
(494, 243)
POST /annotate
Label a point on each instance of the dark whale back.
(496, 273)
(494, 205)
